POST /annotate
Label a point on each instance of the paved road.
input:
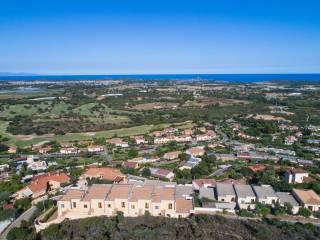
(16, 223)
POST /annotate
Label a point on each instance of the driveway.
(16, 223)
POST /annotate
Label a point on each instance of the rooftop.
(243, 191)
(285, 197)
(97, 191)
(264, 191)
(225, 189)
(307, 196)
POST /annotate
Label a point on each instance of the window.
(123, 204)
(156, 207)
(146, 205)
(85, 206)
(109, 205)
(168, 215)
(310, 208)
(252, 200)
(170, 206)
(62, 205)
(273, 201)
(232, 199)
(74, 204)
(222, 199)
(132, 207)
(99, 205)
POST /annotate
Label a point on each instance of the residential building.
(118, 142)
(265, 194)
(129, 164)
(290, 140)
(95, 148)
(106, 173)
(246, 199)
(225, 157)
(205, 183)
(162, 173)
(12, 149)
(307, 198)
(69, 150)
(191, 163)
(139, 140)
(225, 192)
(295, 175)
(42, 184)
(207, 193)
(196, 151)
(287, 198)
(130, 199)
(172, 155)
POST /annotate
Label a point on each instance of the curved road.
(16, 223)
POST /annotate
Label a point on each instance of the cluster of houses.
(135, 196)
(229, 196)
(201, 134)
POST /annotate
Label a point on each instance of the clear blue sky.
(159, 36)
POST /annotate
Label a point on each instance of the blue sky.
(143, 37)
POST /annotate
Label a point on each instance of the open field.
(26, 140)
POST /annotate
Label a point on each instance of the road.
(16, 223)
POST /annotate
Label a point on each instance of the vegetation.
(197, 227)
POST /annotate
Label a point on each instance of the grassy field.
(22, 141)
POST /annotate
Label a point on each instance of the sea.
(249, 78)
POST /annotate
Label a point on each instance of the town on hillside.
(166, 149)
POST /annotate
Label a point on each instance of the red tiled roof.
(107, 173)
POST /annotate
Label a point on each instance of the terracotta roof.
(141, 193)
(40, 183)
(130, 165)
(307, 196)
(183, 205)
(174, 154)
(163, 193)
(72, 194)
(120, 191)
(97, 191)
(202, 182)
(107, 173)
(257, 167)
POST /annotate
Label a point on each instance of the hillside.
(196, 227)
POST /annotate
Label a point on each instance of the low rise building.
(162, 173)
(225, 192)
(265, 194)
(95, 148)
(42, 184)
(130, 199)
(207, 193)
(205, 183)
(172, 155)
(287, 198)
(106, 173)
(118, 142)
(308, 199)
(246, 199)
(196, 151)
(295, 175)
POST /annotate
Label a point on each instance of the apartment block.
(130, 199)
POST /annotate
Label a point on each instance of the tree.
(22, 204)
(146, 172)
(132, 153)
(304, 212)
(183, 156)
(262, 209)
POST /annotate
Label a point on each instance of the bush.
(304, 212)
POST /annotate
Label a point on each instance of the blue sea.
(167, 77)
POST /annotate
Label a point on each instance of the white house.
(265, 194)
(295, 175)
